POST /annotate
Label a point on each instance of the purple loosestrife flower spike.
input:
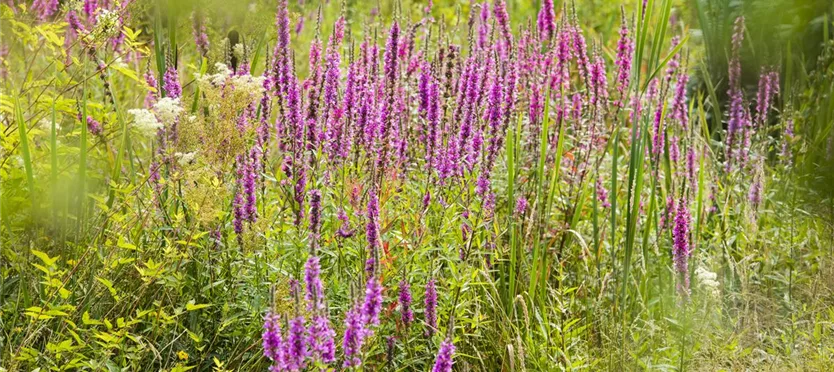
(405, 303)
(520, 206)
(598, 82)
(315, 215)
(679, 109)
(546, 21)
(296, 346)
(580, 50)
(321, 341)
(768, 87)
(273, 341)
(200, 36)
(281, 63)
(171, 83)
(736, 114)
(249, 185)
(315, 288)
(502, 18)
(445, 357)
(45, 8)
(388, 107)
(680, 236)
(674, 62)
(152, 96)
(431, 307)
(93, 126)
(483, 27)
(239, 213)
(602, 194)
(300, 186)
(373, 302)
(353, 338)
(625, 49)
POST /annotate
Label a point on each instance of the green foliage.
(101, 267)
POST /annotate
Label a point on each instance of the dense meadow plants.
(484, 186)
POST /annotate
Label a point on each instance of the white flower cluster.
(239, 51)
(145, 121)
(167, 110)
(184, 159)
(253, 85)
(707, 280)
(107, 23)
(247, 84)
(217, 79)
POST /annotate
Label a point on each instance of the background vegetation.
(103, 266)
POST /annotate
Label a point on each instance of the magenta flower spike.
(445, 356)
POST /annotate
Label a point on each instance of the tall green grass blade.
(25, 153)
(660, 36)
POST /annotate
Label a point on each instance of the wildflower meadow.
(397, 185)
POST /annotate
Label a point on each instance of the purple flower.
(315, 213)
(321, 339)
(431, 307)
(674, 62)
(344, 231)
(249, 185)
(680, 236)
(273, 342)
(445, 357)
(281, 56)
(405, 303)
(389, 346)
(171, 83)
(690, 167)
(602, 194)
(483, 27)
(45, 8)
(315, 288)
(300, 186)
(580, 50)
(520, 206)
(768, 88)
(372, 228)
(296, 346)
(659, 130)
(736, 111)
(200, 36)
(679, 109)
(93, 126)
(373, 302)
(353, 338)
(503, 21)
(546, 21)
(239, 212)
(598, 83)
(755, 193)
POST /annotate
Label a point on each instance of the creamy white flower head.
(253, 7)
(218, 78)
(167, 110)
(239, 51)
(185, 158)
(253, 85)
(145, 121)
(707, 280)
